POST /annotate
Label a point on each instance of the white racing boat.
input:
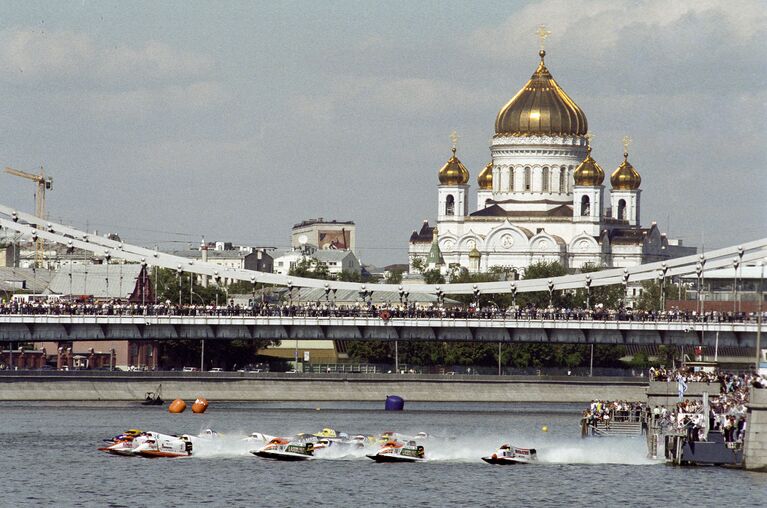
(282, 449)
(397, 451)
(163, 445)
(509, 455)
(153, 444)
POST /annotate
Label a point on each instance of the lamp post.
(625, 286)
(699, 273)
(551, 293)
(107, 257)
(514, 295)
(702, 285)
(476, 296)
(662, 274)
(736, 263)
(759, 317)
(588, 293)
(253, 299)
(143, 284)
(178, 272)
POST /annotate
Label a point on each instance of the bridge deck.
(98, 327)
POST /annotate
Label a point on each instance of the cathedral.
(541, 198)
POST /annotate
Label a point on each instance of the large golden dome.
(625, 177)
(588, 173)
(541, 108)
(453, 172)
(485, 178)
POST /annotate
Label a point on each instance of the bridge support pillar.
(755, 445)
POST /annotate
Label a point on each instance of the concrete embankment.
(319, 387)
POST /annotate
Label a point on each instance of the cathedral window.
(528, 179)
(450, 205)
(622, 209)
(545, 179)
(562, 179)
(511, 179)
(585, 206)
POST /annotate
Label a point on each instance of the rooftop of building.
(322, 221)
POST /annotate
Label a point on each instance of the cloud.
(678, 41)
(34, 55)
(142, 101)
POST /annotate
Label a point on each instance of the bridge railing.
(383, 313)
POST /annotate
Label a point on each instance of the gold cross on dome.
(542, 33)
(454, 139)
(626, 143)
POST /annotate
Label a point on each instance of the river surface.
(48, 457)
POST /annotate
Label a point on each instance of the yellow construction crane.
(43, 183)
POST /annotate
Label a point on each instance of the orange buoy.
(200, 405)
(177, 406)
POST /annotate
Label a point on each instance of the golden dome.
(541, 107)
(485, 178)
(588, 173)
(474, 253)
(453, 172)
(625, 177)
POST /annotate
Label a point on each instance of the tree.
(419, 264)
(168, 289)
(311, 268)
(545, 270)
(650, 297)
(640, 360)
(433, 276)
(348, 276)
(609, 296)
(394, 277)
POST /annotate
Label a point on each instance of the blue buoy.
(394, 403)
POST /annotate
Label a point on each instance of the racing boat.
(511, 455)
(282, 449)
(397, 451)
(122, 444)
(153, 445)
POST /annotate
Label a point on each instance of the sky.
(169, 121)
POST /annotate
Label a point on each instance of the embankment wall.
(304, 388)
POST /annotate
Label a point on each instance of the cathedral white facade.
(541, 198)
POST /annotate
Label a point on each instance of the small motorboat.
(397, 451)
(153, 398)
(511, 455)
(282, 449)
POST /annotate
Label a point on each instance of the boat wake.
(466, 448)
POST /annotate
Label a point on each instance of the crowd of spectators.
(362, 309)
(603, 412)
(727, 409)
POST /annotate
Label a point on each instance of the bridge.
(31, 227)
(63, 328)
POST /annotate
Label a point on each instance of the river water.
(48, 457)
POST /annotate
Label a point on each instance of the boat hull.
(286, 456)
(392, 457)
(504, 461)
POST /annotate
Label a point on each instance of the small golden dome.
(541, 107)
(453, 172)
(474, 253)
(485, 178)
(625, 177)
(588, 173)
